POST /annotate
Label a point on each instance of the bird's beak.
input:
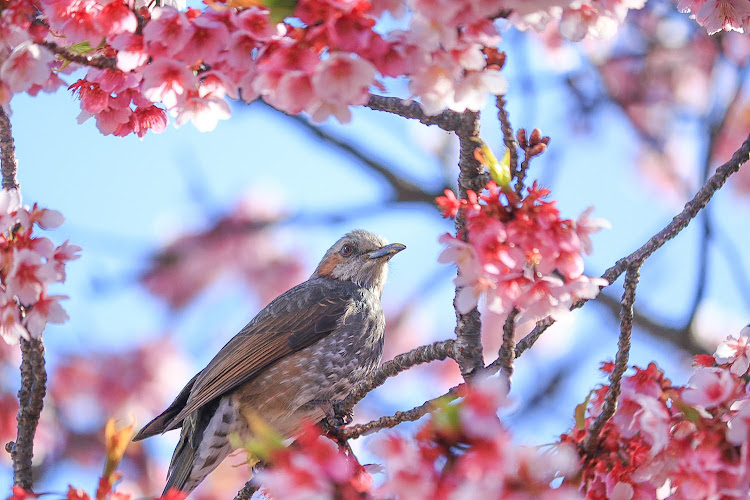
(387, 251)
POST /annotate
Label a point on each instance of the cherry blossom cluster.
(465, 452)
(322, 60)
(518, 253)
(28, 265)
(672, 441)
(578, 19)
(240, 244)
(462, 452)
(314, 467)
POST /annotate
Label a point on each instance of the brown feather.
(328, 264)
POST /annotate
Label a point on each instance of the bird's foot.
(336, 414)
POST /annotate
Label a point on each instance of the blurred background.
(187, 235)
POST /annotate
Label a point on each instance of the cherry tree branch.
(33, 373)
(415, 413)
(468, 326)
(7, 152)
(101, 62)
(437, 351)
(507, 352)
(510, 141)
(447, 120)
(31, 400)
(247, 491)
(621, 360)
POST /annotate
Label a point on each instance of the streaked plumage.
(309, 345)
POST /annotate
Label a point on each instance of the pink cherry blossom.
(168, 81)
(205, 113)
(738, 432)
(343, 78)
(409, 475)
(28, 276)
(28, 64)
(116, 17)
(130, 51)
(472, 91)
(46, 218)
(709, 387)
(167, 32)
(10, 322)
(78, 19)
(585, 226)
(736, 352)
(485, 397)
(46, 310)
(207, 39)
(520, 255)
(726, 15)
(255, 22)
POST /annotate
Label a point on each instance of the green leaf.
(580, 412)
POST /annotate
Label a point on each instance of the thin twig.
(621, 360)
(7, 152)
(423, 354)
(509, 139)
(101, 62)
(447, 120)
(31, 401)
(247, 491)
(507, 352)
(415, 413)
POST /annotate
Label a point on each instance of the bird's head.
(360, 257)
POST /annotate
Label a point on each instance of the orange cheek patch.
(327, 266)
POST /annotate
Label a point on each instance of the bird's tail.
(202, 447)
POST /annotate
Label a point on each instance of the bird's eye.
(347, 250)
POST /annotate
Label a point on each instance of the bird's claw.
(337, 415)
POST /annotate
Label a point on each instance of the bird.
(299, 355)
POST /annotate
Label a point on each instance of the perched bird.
(308, 347)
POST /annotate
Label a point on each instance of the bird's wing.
(293, 321)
